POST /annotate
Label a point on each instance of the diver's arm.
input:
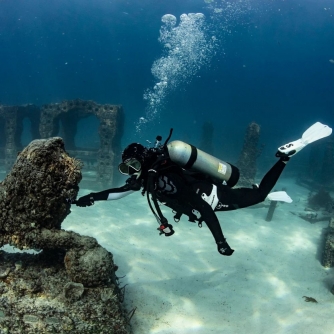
(132, 185)
(116, 194)
(211, 220)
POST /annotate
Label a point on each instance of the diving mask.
(129, 167)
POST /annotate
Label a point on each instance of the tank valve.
(157, 141)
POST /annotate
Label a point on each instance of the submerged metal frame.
(45, 123)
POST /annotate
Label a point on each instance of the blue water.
(270, 64)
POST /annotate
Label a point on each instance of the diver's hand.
(224, 248)
(166, 229)
(133, 183)
(84, 201)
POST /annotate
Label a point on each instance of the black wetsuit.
(197, 197)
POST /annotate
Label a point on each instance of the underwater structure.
(70, 286)
(328, 252)
(249, 153)
(46, 121)
(206, 142)
(327, 169)
(320, 199)
(11, 121)
(319, 170)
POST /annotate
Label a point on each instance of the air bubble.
(188, 47)
(169, 19)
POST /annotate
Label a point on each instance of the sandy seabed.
(181, 284)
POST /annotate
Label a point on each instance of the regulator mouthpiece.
(157, 141)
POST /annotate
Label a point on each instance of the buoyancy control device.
(189, 157)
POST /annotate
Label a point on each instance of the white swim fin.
(280, 196)
(313, 133)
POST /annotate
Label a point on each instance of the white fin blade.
(315, 132)
(280, 196)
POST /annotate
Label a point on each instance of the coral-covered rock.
(36, 296)
(60, 290)
(33, 195)
(34, 202)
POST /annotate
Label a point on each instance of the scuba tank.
(189, 157)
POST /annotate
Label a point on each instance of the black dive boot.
(224, 248)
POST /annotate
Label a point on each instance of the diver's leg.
(232, 199)
(313, 133)
(269, 180)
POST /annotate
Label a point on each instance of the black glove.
(224, 248)
(87, 200)
(133, 183)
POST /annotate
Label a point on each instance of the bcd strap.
(151, 190)
(179, 212)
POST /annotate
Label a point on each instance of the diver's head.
(133, 158)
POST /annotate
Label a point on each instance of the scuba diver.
(194, 183)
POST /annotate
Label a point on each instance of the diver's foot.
(288, 150)
(224, 248)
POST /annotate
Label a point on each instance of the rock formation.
(70, 286)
